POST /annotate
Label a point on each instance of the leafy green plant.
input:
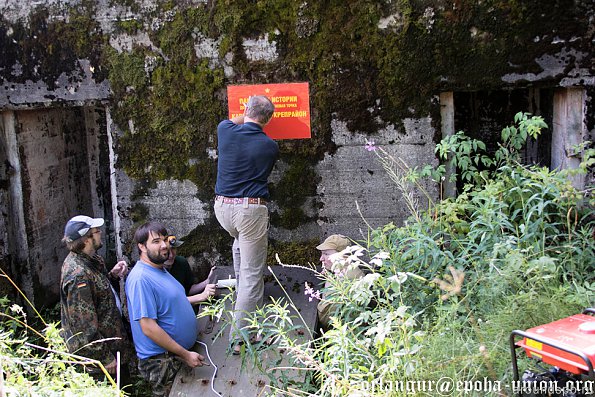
(521, 236)
(469, 159)
(463, 153)
(514, 138)
(374, 334)
(37, 363)
(49, 370)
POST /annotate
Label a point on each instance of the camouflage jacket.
(89, 311)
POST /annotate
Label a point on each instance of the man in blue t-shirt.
(162, 319)
(246, 156)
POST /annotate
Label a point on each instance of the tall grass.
(37, 363)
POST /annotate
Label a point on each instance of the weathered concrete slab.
(353, 174)
(232, 379)
(162, 203)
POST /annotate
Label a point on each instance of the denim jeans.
(248, 224)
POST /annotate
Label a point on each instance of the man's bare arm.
(208, 291)
(198, 287)
(150, 328)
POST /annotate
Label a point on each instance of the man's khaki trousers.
(248, 224)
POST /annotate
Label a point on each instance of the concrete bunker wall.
(121, 99)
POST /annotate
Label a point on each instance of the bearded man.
(91, 313)
(164, 327)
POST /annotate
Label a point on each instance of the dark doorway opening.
(62, 155)
(483, 114)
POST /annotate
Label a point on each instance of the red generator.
(567, 346)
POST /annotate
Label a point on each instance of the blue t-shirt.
(246, 158)
(154, 293)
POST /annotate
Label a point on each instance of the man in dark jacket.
(91, 310)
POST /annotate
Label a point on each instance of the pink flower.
(311, 293)
(339, 271)
(370, 146)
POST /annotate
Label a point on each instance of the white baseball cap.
(78, 226)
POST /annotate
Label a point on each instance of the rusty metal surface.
(232, 379)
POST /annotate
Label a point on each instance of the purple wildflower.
(339, 271)
(370, 146)
(311, 293)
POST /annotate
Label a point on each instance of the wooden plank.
(232, 379)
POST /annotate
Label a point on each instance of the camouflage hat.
(335, 242)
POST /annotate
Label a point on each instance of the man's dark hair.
(144, 231)
(78, 244)
(260, 108)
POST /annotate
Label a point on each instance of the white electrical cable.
(118, 369)
(214, 372)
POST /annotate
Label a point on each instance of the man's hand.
(238, 119)
(203, 296)
(120, 269)
(193, 359)
(208, 292)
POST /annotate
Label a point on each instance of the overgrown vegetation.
(442, 294)
(37, 363)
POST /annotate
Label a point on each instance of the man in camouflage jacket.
(90, 306)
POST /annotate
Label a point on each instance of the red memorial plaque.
(291, 119)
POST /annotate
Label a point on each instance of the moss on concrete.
(358, 73)
(210, 245)
(170, 110)
(130, 5)
(298, 183)
(129, 26)
(43, 47)
(293, 253)
(168, 101)
(139, 214)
